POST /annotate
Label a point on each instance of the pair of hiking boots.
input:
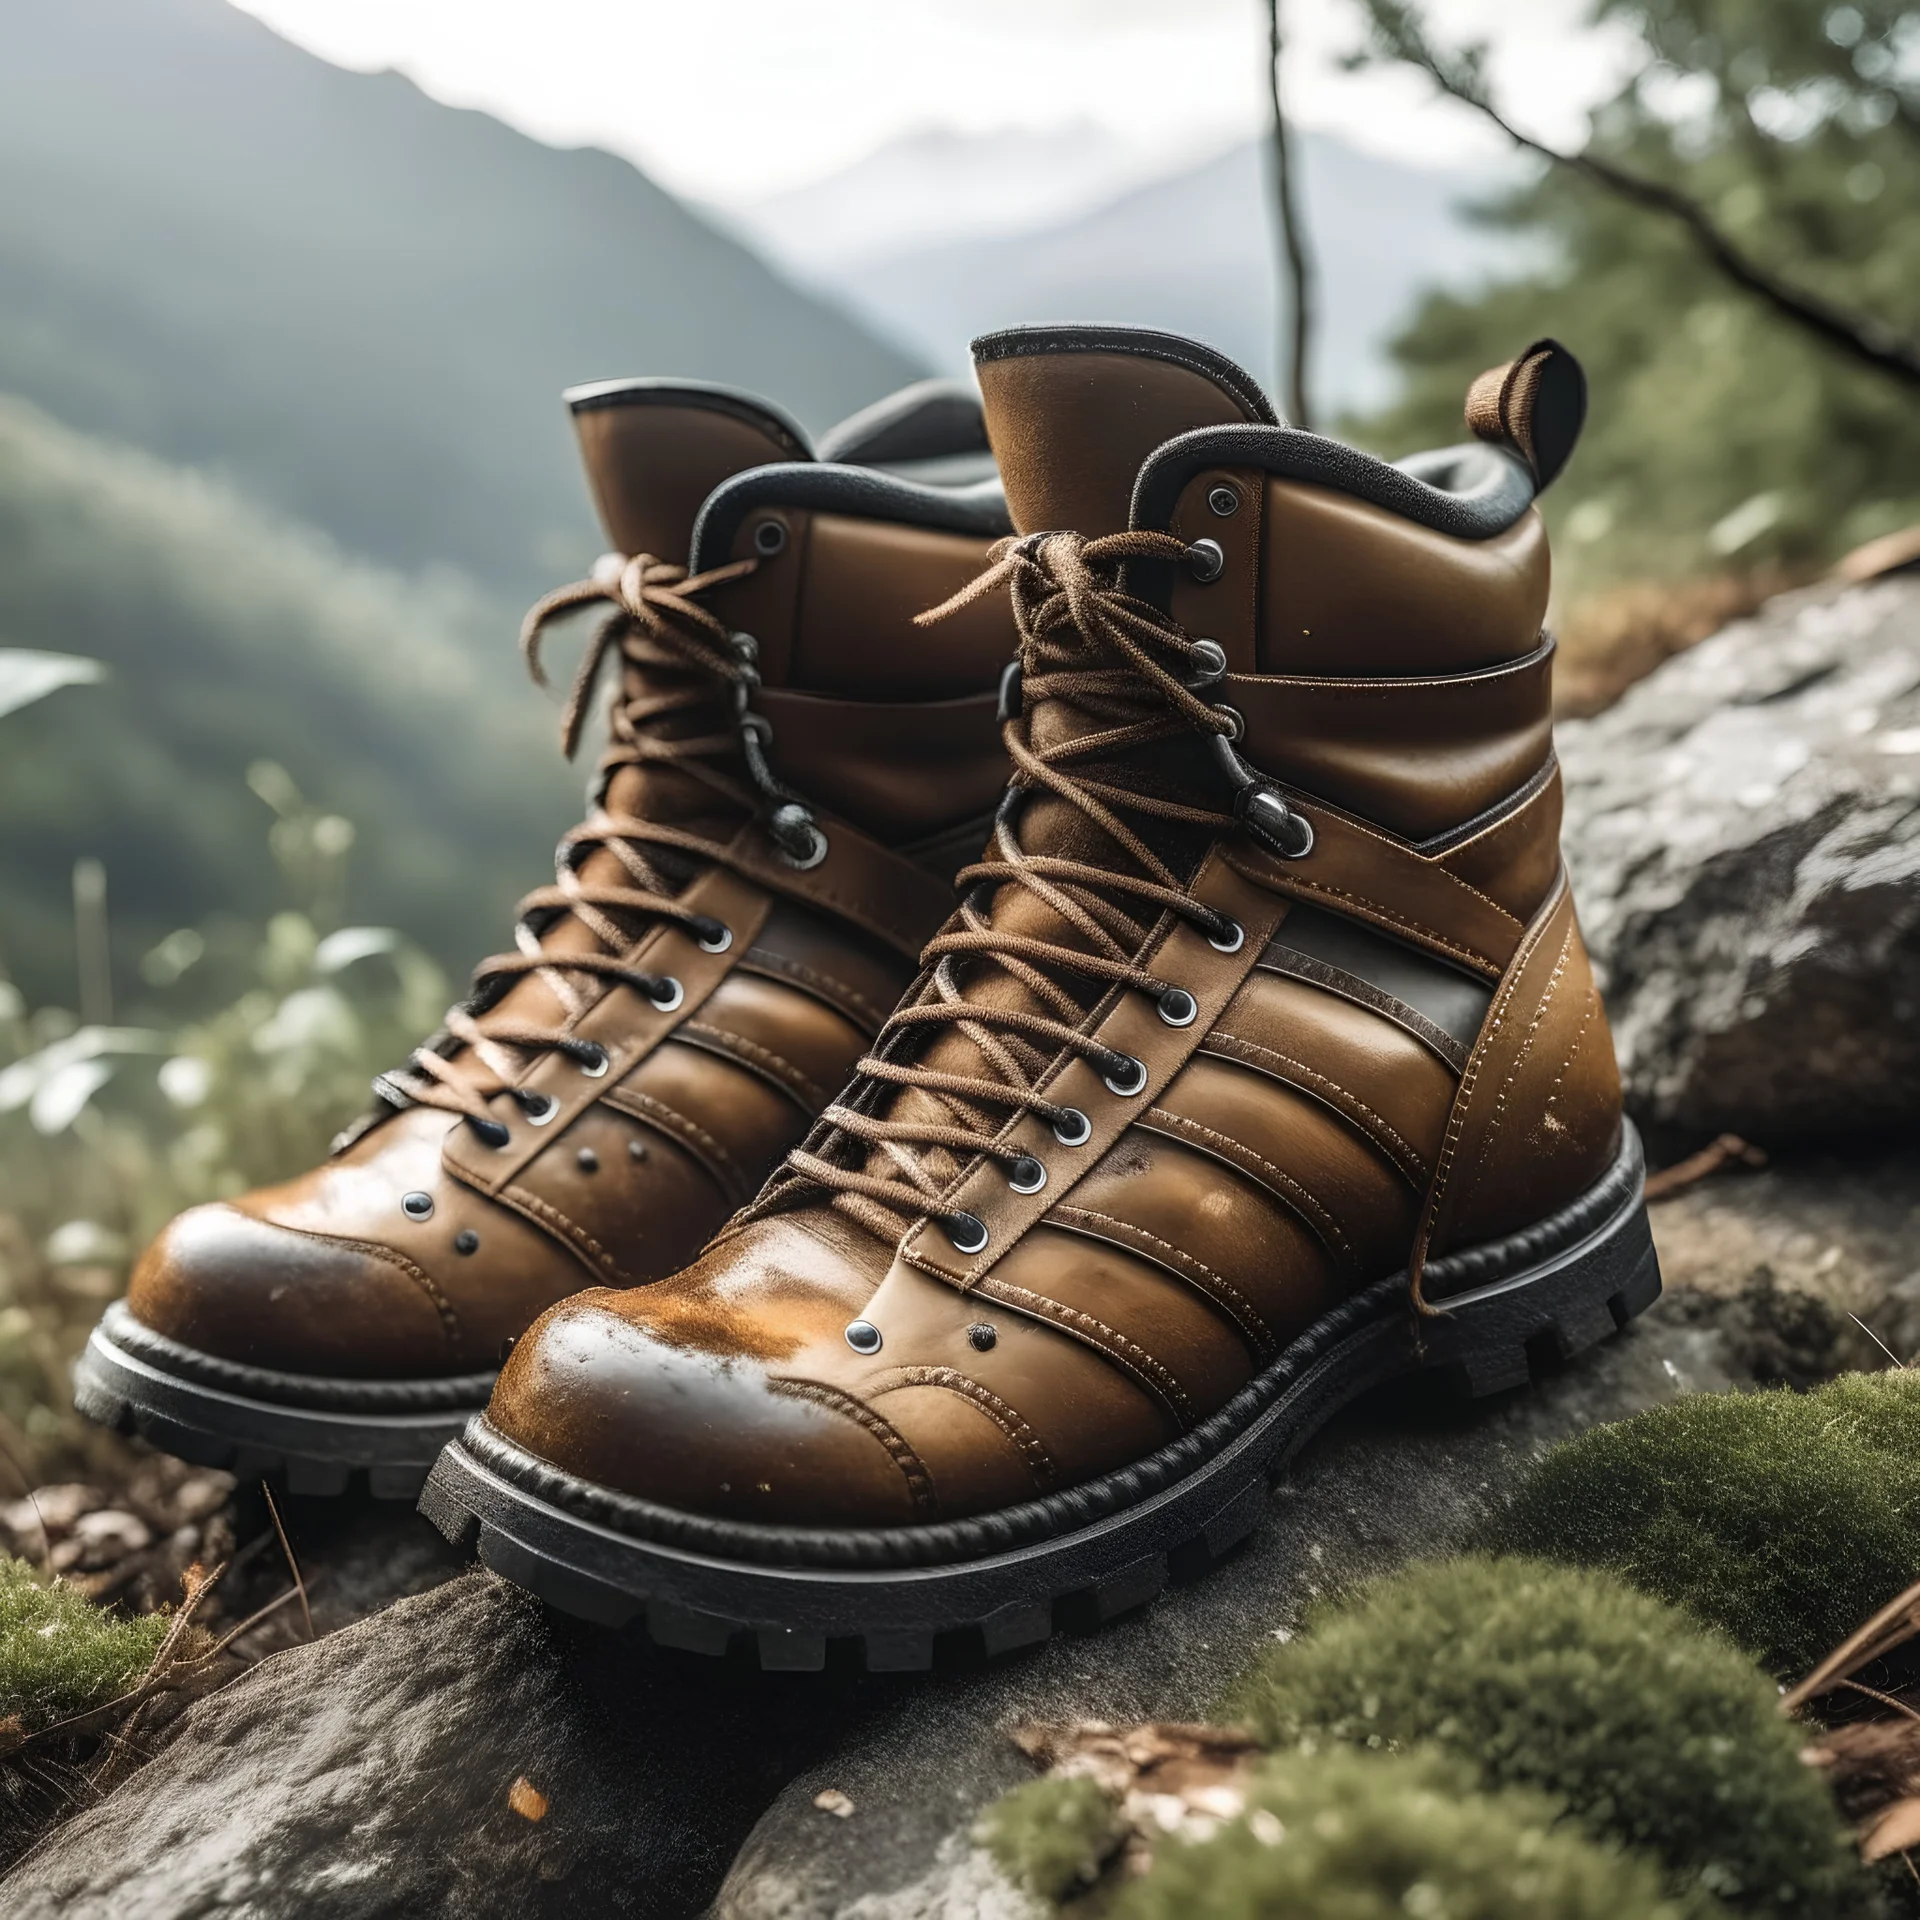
(954, 1265)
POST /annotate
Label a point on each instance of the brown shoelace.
(1119, 675)
(679, 663)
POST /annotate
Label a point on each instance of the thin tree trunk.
(1297, 296)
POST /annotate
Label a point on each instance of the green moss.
(1346, 1836)
(59, 1654)
(1655, 1733)
(1051, 1835)
(1784, 1519)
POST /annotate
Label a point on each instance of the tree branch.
(1297, 302)
(1399, 32)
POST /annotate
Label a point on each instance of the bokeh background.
(288, 291)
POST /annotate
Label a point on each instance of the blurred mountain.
(1192, 251)
(232, 636)
(356, 303)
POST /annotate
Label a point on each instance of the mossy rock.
(1656, 1734)
(60, 1654)
(1784, 1519)
(1353, 1836)
(1051, 1836)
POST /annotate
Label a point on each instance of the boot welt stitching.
(1026, 1442)
(449, 1318)
(1216, 1286)
(1105, 1339)
(750, 1053)
(1277, 1178)
(836, 993)
(718, 1162)
(1378, 1128)
(913, 1469)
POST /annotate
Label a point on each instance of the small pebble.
(527, 1800)
(832, 1800)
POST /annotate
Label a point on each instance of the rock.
(1744, 833)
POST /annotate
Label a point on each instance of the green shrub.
(1340, 1836)
(1051, 1835)
(1784, 1519)
(59, 1654)
(1654, 1733)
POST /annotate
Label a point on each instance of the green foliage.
(1343, 1836)
(1653, 1733)
(229, 638)
(60, 1654)
(1721, 434)
(1051, 1835)
(1784, 1519)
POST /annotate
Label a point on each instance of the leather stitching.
(719, 1162)
(913, 1469)
(775, 1066)
(1026, 1442)
(1323, 1222)
(1381, 1130)
(1579, 1036)
(1137, 1360)
(575, 1235)
(1215, 1285)
(824, 985)
(449, 1317)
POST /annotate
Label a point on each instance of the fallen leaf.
(527, 1800)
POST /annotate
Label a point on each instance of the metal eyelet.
(1234, 940)
(666, 994)
(1210, 667)
(596, 1065)
(1178, 1007)
(1027, 1174)
(1073, 1128)
(1206, 561)
(769, 538)
(967, 1231)
(797, 836)
(1135, 1082)
(417, 1206)
(539, 1108)
(714, 943)
(863, 1336)
(1224, 501)
(1236, 722)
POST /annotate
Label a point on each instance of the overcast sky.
(731, 100)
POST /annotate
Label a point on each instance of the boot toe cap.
(220, 1280)
(594, 1391)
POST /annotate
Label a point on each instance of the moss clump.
(59, 1654)
(1654, 1733)
(1784, 1519)
(1051, 1835)
(1343, 1836)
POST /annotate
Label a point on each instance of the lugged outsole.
(311, 1449)
(711, 1586)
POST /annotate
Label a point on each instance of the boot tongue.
(1073, 411)
(654, 450)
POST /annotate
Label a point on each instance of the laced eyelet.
(797, 834)
(1206, 561)
(1027, 1175)
(1231, 941)
(717, 941)
(1073, 1128)
(666, 994)
(1210, 663)
(539, 1108)
(967, 1231)
(863, 1336)
(593, 1060)
(1128, 1078)
(1178, 1008)
(1236, 722)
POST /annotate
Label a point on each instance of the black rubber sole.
(1082, 1557)
(316, 1435)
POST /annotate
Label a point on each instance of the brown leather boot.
(1260, 1065)
(773, 837)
